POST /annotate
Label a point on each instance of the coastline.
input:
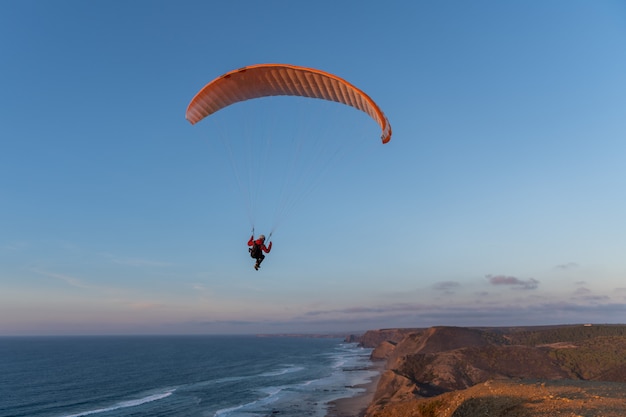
(357, 406)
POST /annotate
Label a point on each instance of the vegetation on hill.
(556, 334)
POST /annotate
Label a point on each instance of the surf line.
(125, 404)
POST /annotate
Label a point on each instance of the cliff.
(373, 338)
(466, 372)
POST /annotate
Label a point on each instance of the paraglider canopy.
(276, 168)
(265, 80)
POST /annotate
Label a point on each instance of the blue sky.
(499, 200)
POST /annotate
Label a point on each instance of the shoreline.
(357, 406)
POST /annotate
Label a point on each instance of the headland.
(540, 371)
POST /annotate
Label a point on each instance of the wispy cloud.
(80, 283)
(382, 309)
(594, 299)
(620, 292)
(586, 295)
(199, 287)
(501, 313)
(447, 287)
(144, 305)
(423, 315)
(68, 279)
(528, 284)
(567, 265)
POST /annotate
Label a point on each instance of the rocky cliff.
(373, 338)
(432, 370)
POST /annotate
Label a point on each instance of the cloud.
(621, 292)
(529, 284)
(385, 309)
(594, 298)
(568, 265)
(351, 319)
(144, 305)
(69, 280)
(424, 315)
(200, 287)
(585, 294)
(446, 286)
(80, 283)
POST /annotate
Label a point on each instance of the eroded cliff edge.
(516, 371)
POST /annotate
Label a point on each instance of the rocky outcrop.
(383, 351)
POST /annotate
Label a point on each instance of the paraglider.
(257, 247)
(267, 80)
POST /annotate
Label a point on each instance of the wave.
(227, 379)
(125, 404)
(225, 411)
(349, 356)
(272, 395)
(289, 369)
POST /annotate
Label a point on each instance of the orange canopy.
(281, 80)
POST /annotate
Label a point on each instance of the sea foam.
(125, 404)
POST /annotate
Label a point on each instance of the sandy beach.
(357, 405)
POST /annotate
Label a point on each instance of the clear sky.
(500, 199)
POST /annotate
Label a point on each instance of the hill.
(457, 372)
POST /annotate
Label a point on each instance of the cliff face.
(425, 364)
(373, 338)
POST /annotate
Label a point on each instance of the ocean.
(177, 376)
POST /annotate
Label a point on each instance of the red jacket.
(260, 243)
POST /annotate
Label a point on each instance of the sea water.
(186, 376)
